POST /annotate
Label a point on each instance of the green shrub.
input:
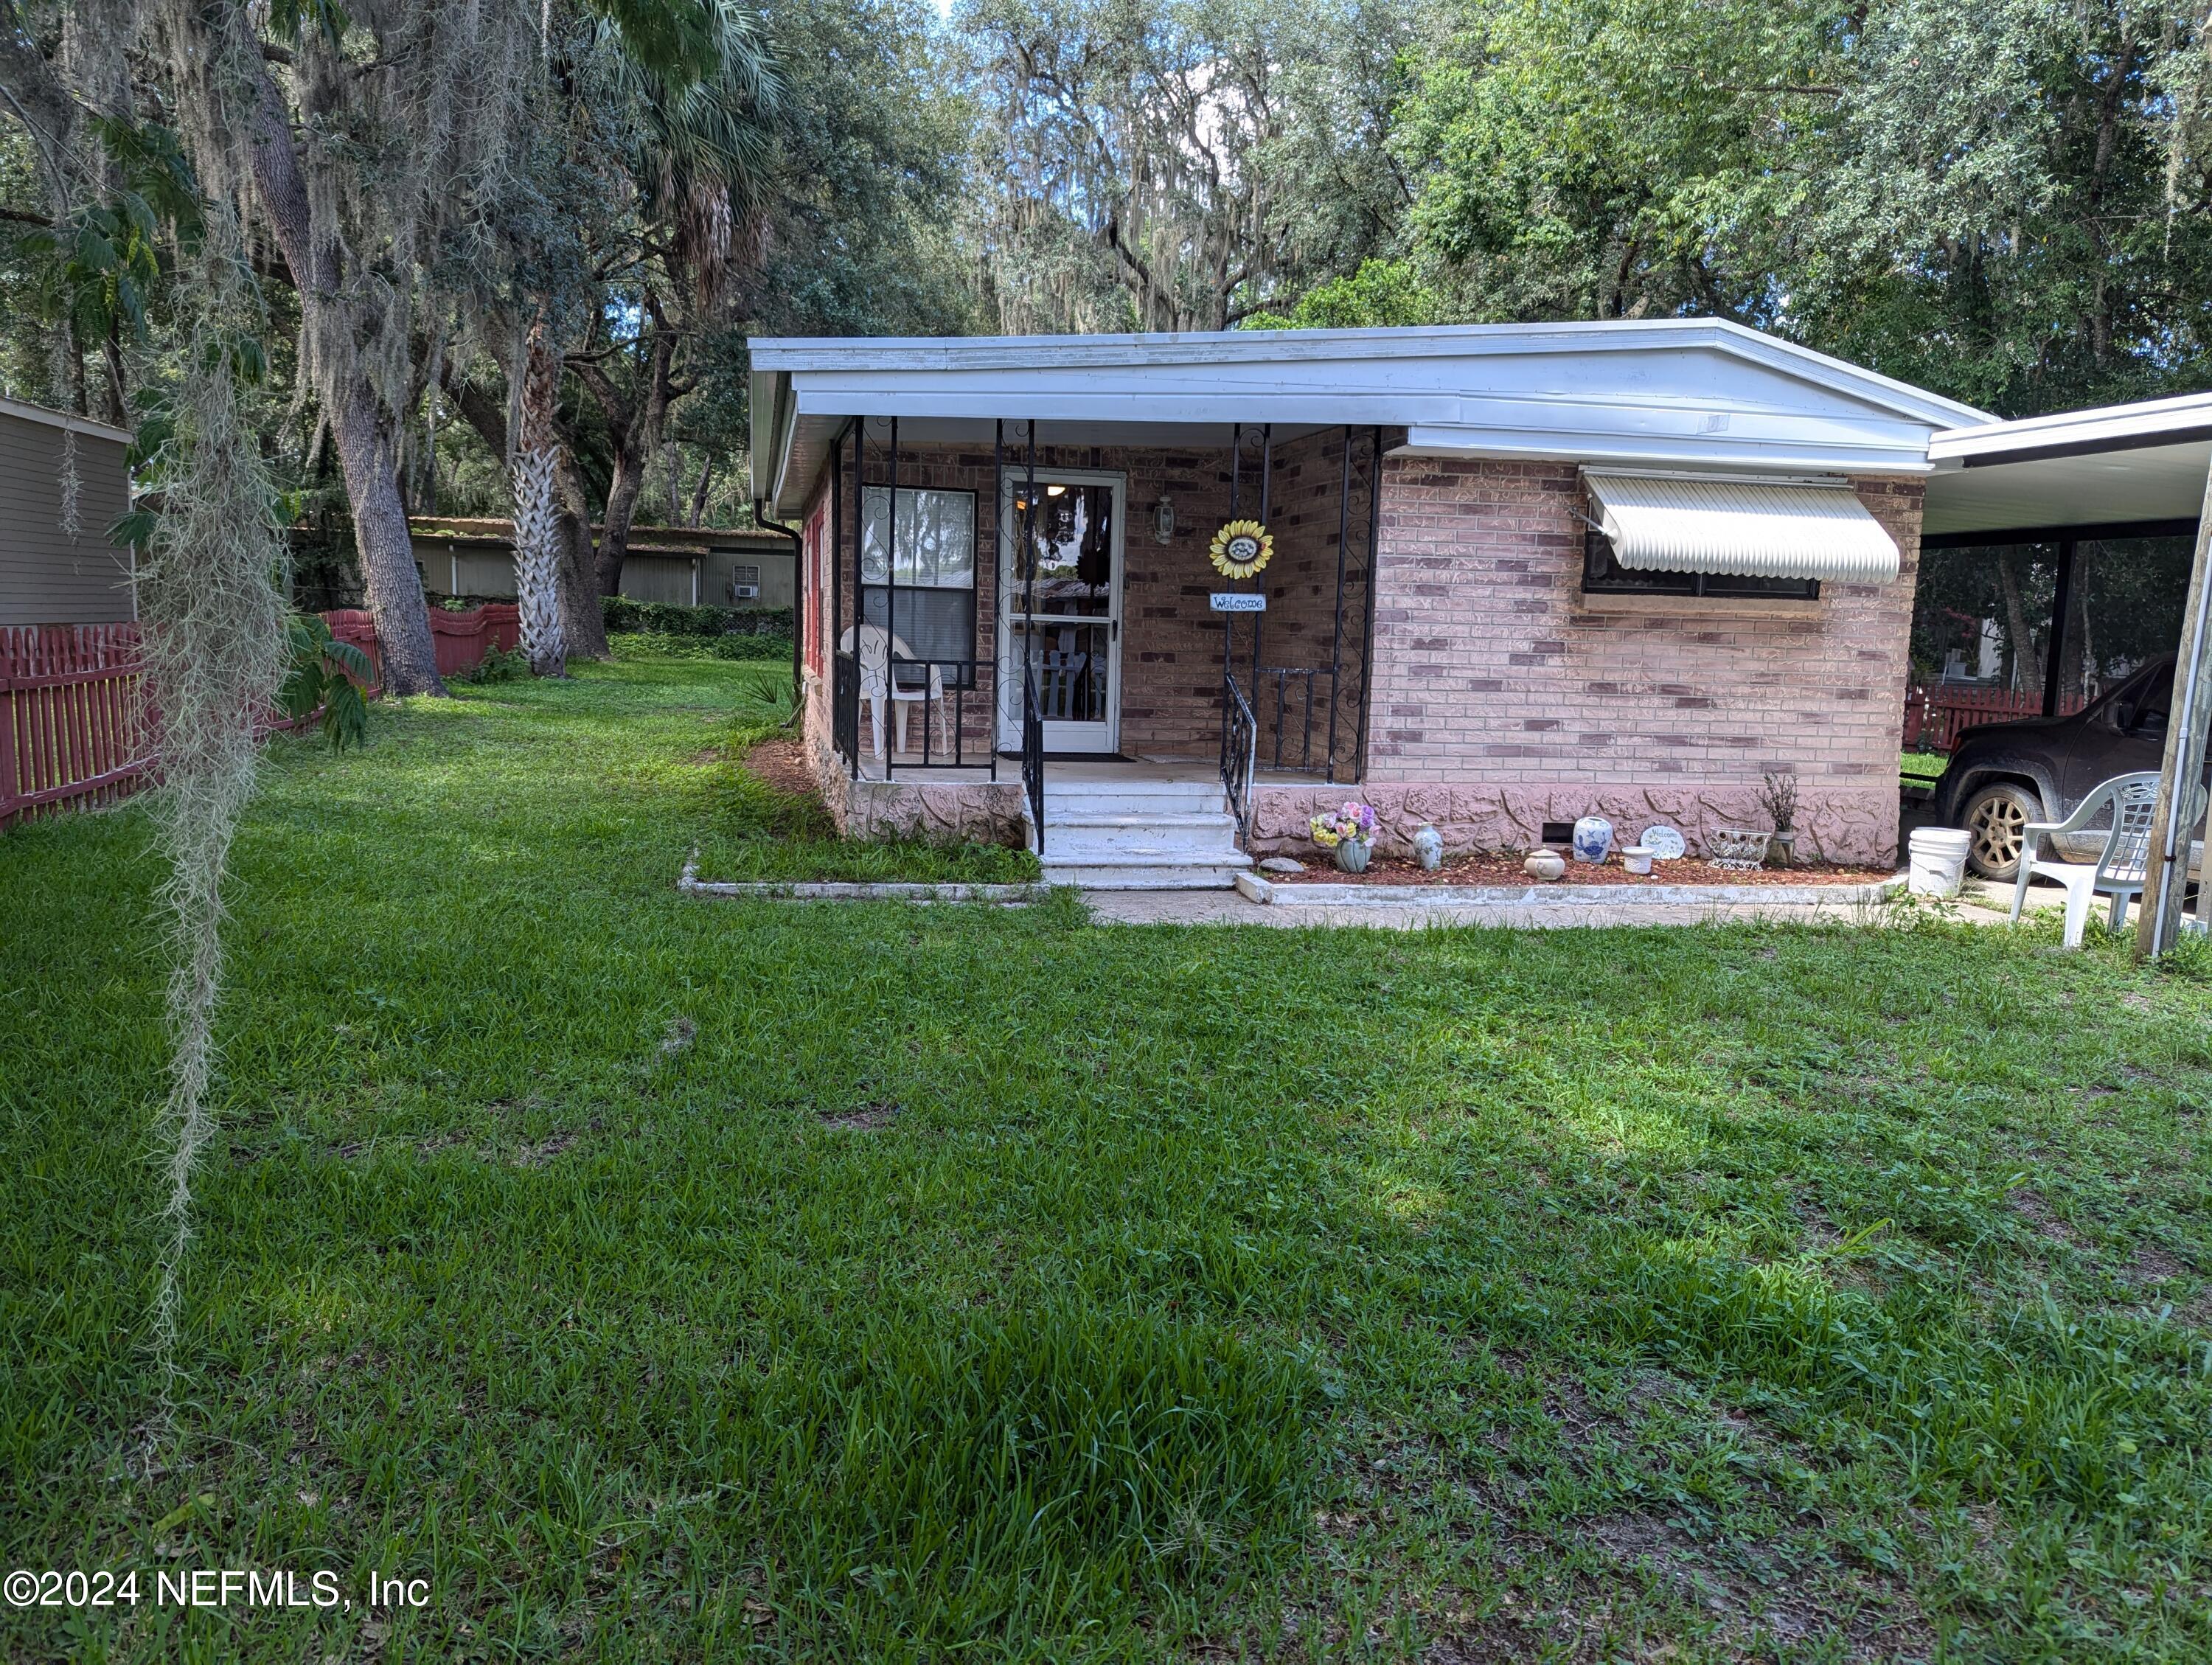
(661, 618)
(751, 647)
(496, 665)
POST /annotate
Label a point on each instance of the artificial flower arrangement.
(1353, 823)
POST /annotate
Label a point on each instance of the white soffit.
(1754, 528)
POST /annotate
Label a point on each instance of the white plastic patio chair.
(876, 650)
(2119, 871)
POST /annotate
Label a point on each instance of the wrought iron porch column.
(1374, 569)
(860, 607)
(890, 616)
(1336, 618)
(998, 607)
(836, 598)
(1259, 583)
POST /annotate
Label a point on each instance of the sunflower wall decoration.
(1240, 548)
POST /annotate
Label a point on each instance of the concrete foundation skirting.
(1561, 895)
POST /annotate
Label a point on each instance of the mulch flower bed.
(1508, 870)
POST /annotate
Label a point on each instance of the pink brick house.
(1519, 574)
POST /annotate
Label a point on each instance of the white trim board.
(1664, 392)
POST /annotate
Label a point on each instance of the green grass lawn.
(1923, 766)
(667, 1280)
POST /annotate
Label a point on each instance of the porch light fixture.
(1164, 520)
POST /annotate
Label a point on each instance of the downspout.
(798, 603)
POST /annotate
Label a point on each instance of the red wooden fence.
(71, 715)
(72, 707)
(461, 638)
(1935, 714)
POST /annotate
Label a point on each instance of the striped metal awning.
(1692, 523)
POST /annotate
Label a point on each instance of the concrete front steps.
(1141, 835)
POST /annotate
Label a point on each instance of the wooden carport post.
(2165, 869)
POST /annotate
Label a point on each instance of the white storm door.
(1059, 608)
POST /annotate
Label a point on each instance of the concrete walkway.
(1227, 907)
(1979, 904)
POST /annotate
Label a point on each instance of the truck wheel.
(1998, 816)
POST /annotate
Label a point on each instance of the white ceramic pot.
(1938, 861)
(1636, 859)
(1543, 865)
(1593, 839)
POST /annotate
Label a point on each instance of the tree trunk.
(621, 511)
(699, 492)
(368, 436)
(587, 621)
(585, 626)
(2028, 664)
(387, 553)
(541, 563)
(635, 428)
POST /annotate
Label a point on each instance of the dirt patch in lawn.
(865, 1119)
(1508, 870)
(782, 764)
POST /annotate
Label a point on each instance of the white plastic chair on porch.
(877, 651)
(2119, 871)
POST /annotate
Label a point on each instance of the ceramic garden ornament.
(1593, 839)
(1428, 847)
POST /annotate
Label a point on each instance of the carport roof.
(2113, 464)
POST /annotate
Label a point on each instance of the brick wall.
(1504, 698)
(1171, 645)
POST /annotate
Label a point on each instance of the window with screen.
(927, 601)
(1603, 576)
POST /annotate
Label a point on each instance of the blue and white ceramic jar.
(1593, 838)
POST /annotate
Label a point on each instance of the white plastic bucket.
(1939, 862)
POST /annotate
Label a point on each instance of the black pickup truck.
(2004, 775)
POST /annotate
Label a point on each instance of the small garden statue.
(1778, 797)
(1428, 847)
(1349, 831)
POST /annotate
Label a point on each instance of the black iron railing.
(1297, 700)
(1240, 752)
(937, 693)
(1033, 756)
(845, 709)
(950, 699)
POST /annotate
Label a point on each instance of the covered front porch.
(1079, 657)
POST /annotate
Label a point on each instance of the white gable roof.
(1688, 393)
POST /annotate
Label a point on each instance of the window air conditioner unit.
(745, 591)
